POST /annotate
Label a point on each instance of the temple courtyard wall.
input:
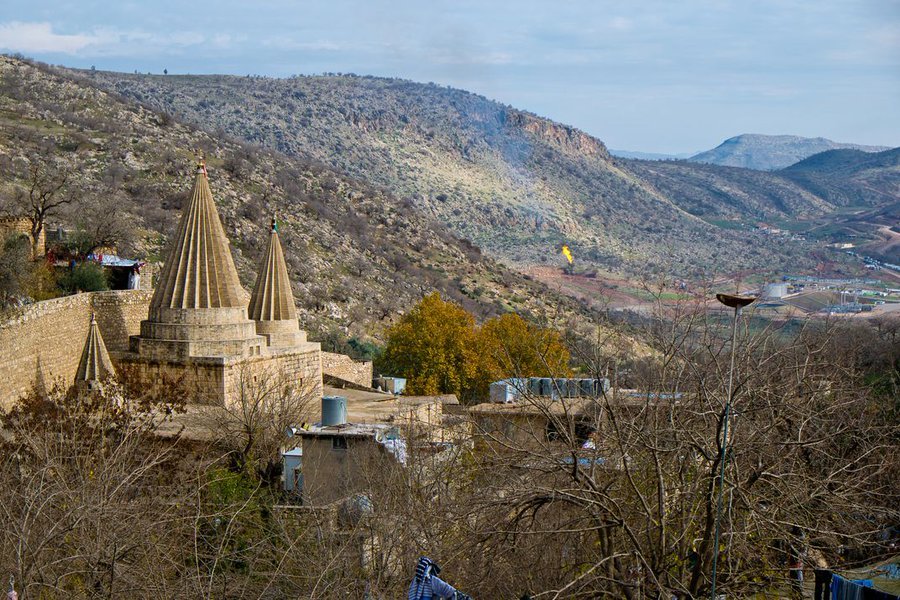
(229, 381)
(41, 344)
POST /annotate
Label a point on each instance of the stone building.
(199, 334)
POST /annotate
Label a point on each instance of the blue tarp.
(856, 589)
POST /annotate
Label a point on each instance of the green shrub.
(84, 277)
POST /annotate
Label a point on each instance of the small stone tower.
(272, 302)
(199, 308)
(95, 366)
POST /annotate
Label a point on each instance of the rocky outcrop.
(565, 138)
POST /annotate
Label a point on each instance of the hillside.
(647, 155)
(867, 183)
(771, 152)
(516, 185)
(850, 177)
(358, 254)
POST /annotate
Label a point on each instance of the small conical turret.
(95, 365)
(272, 302)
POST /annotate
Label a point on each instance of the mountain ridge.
(358, 255)
(772, 152)
(515, 184)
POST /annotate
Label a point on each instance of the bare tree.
(267, 401)
(627, 482)
(44, 194)
(85, 505)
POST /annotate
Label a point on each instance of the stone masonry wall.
(41, 344)
(22, 226)
(225, 381)
(343, 367)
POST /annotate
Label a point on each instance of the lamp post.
(737, 303)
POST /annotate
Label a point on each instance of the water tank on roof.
(587, 387)
(546, 386)
(334, 410)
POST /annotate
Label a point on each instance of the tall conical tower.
(95, 365)
(199, 308)
(272, 302)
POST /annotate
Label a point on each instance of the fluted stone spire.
(199, 271)
(272, 302)
(95, 365)
(199, 309)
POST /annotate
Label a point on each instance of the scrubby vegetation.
(358, 255)
(516, 185)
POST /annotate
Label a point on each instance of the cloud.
(40, 37)
(290, 42)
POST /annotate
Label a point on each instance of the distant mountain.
(647, 155)
(771, 152)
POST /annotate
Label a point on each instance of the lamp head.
(735, 301)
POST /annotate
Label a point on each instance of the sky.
(668, 76)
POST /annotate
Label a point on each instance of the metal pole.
(723, 452)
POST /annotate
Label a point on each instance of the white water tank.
(775, 290)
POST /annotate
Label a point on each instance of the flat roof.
(374, 407)
(359, 430)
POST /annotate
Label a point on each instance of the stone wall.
(41, 344)
(222, 380)
(343, 367)
(22, 226)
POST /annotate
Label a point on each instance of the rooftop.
(356, 430)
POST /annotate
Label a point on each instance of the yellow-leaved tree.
(431, 346)
(439, 350)
(510, 346)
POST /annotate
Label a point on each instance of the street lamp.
(737, 303)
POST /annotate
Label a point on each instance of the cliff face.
(563, 137)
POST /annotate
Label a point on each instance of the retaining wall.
(343, 367)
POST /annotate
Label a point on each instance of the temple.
(199, 335)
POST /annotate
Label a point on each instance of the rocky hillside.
(516, 185)
(771, 152)
(358, 254)
(850, 177)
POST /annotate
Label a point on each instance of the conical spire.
(95, 363)
(199, 271)
(272, 302)
(272, 299)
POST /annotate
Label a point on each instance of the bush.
(84, 277)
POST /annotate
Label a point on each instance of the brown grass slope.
(515, 184)
(358, 254)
